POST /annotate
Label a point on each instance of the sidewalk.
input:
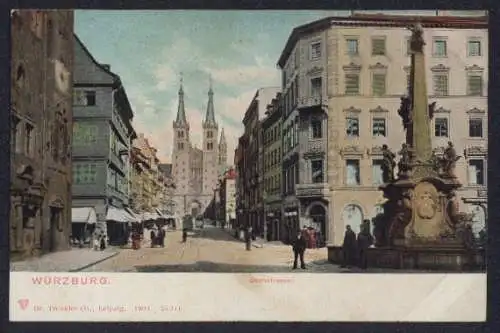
(73, 260)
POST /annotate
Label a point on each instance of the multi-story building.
(168, 204)
(102, 139)
(239, 163)
(271, 128)
(361, 66)
(227, 198)
(41, 116)
(195, 171)
(254, 178)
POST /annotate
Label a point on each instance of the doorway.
(55, 216)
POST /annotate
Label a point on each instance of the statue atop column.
(449, 160)
(388, 164)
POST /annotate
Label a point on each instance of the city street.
(211, 250)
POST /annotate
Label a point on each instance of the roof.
(381, 20)
(117, 83)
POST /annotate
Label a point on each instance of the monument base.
(439, 259)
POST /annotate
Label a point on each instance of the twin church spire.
(210, 122)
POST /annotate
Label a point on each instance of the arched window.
(353, 216)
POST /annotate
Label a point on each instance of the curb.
(93, 263)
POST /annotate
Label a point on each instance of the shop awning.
(83, 215)
(160, 214)
(117, 215)
(132, 216)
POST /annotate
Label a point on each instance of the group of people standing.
(355, 247)
(158, 236)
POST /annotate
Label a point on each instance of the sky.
(149, 49)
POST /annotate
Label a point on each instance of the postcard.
(274, 159)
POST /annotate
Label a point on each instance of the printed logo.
(23, 303)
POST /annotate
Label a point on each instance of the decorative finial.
(210, 81)
(182, 78)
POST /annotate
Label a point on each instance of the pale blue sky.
(148, 50)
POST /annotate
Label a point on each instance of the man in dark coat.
(248, 238)
(299, 248)
(349, 247)
(184, 235)
(364, 241)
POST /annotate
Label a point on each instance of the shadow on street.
(215, 234)
(214, 267)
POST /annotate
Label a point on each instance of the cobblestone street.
(211, 250)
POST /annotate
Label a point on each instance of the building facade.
(195, 171)
(271, 128)
(254, 159)
(227, 198)
(41, 115)
(168, 204)
(239, 163)
(102, 138)
(363, 65)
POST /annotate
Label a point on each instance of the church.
(195, 171)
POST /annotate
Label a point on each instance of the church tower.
(180, 154)
(210, 147)
(222, 152)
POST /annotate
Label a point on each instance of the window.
(352, 84)
(441, 127)
(16, 135)
(440, 84)
(379, 127)
(315, 50)
(86, 134)
(475, 85)
(180, 145)
(317, 171)
(29, 139)
(317, 132)
(439, 48)
(378, 46)
(90, 98)
(377, 173)
(36, 22)
(476, 172)
(316, 86)
(408, 83)
(210, 134)
(84, 173)
(408, 46)
(84, 98)
(352, 174)
(352, 126)
(378, 84)
(352, 46)
(180, 134)
(210, 146)
(476, 127)
(474, 48)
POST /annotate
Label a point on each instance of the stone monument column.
(421, 141)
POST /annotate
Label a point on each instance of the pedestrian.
(299, 248)
(248, 239)
(348, 247)
(162, 237)
(364, 241)
(184, 235)
(103, 242)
